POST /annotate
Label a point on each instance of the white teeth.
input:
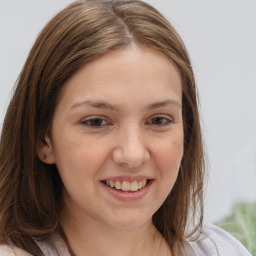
(118, 185)
(111, 183)
(126, 185)
(140, 184)
(134, 186)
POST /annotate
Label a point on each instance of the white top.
(218, 242)
(214, 242)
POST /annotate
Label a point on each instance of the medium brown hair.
(30, 190)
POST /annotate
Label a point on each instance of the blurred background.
(221, 38)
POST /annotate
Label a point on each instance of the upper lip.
(128, 178)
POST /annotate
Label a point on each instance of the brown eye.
(94, 122)
(160, 121)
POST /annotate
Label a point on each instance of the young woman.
(101, 150)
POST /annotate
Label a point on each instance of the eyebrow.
(94, 104)
(105, 105)
(164, 103)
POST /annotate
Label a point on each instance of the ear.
(45, 151)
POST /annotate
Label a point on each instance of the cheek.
(168, 157)
(78, 159)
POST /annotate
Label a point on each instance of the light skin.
(119, 118)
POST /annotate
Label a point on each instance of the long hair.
(30, 191)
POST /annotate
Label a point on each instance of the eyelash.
(88, 122)
(99, 120)
(161, 118)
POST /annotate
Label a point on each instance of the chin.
(128, 221)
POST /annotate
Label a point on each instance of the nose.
(130, 150)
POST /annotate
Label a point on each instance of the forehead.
(133, 73)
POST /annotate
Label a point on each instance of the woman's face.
(117, 137)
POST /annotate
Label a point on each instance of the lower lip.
(128, 196)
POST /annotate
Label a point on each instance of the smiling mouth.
(127, 186)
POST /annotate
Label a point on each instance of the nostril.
(130, 156)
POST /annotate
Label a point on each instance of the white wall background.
(221, 38)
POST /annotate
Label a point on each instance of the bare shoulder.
(6, 250)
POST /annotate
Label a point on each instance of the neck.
(96, 238)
